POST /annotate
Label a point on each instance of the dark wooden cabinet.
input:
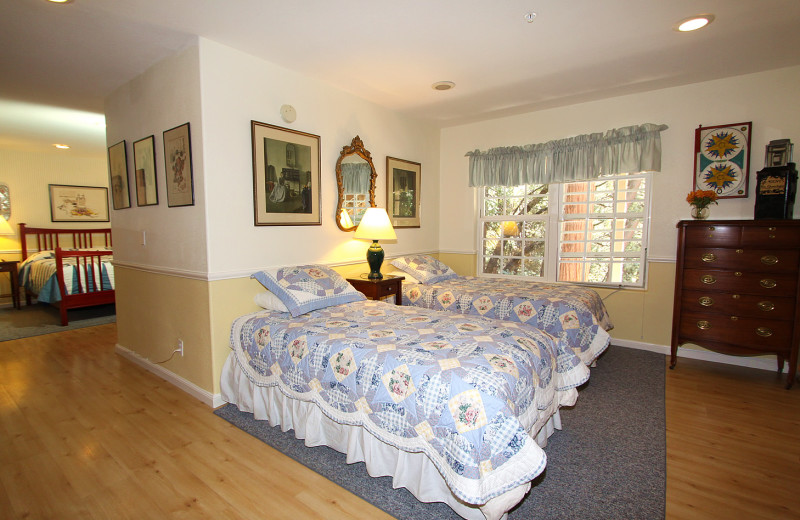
(737, 289)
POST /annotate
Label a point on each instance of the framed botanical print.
(286, 176)
(402, 192)
(118, 176)
(144, 165)
(178, 166)
(722, 159)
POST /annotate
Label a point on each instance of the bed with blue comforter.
(448, 404)
(573, 313)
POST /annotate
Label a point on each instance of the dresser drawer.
(770, 236)
(753, 333)
(713, 235)
(740, 259)
(743, 305)
(767, 284)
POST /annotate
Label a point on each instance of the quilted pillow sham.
(424, 268)
(305, 288)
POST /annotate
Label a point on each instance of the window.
(592, 232)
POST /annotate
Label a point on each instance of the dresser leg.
(673, 356)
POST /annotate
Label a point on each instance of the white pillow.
(269, 301)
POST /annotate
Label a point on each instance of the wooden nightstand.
(10, 267)
(376, 289)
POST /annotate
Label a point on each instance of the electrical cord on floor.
(172, 356)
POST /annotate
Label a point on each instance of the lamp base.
(375, 259)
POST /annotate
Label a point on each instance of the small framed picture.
(178, 166)
(78, 203)
(286, 176)
(403, 192)
(118, 176)
(144, 163)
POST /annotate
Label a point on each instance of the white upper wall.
(769, 99)
(219, 90)
(163, 97)
(238, 88)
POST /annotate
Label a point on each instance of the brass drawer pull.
(708, 279)
(764, 332)
(769, 259)
(772, 228)
(705, 301)
(766, 306)
(711, 228)
(734, 318)
(703, 325)
(768, 283)
(772, 236)
(735, 296)
(738, 273)
(740, 251)
(708, 257)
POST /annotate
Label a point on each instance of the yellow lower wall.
(155, 310)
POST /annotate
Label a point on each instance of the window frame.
(553, 225)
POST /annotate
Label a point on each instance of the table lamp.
(375, 225)
(5, 227)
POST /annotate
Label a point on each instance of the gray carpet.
(608, 462)
(42, 318)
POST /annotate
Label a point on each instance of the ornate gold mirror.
(355, 178)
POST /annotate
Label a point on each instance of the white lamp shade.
(5, 227)
(375, 225)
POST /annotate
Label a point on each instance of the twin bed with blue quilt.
(455, 407)
(63, 267)
(572, 313)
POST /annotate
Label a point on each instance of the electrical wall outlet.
(180, 347)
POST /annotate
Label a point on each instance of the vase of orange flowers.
(700, 200)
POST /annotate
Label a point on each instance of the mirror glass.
(5, 201)
(355, 178)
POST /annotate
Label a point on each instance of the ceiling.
(59, 62)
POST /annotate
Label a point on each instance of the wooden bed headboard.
(51, 238)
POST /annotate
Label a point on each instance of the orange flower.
(702, 198)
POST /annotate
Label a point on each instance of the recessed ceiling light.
(530, 17)
(443, 85)
(60, 1)
(61, 146)
(693, 23)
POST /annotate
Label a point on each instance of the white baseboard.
(761, 363)
(212, 400)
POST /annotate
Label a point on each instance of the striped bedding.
(37, 274)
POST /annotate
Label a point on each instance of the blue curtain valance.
(622, 150)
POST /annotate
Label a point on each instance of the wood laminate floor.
(86, 434)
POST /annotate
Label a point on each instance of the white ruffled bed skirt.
(413, 471)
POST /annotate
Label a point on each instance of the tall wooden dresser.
(737, 288)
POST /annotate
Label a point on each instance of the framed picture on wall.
(178, 166)
(286, 176)
(144, 166)
(118, 176)
(78, 203)
(722, 159)
(402, 192)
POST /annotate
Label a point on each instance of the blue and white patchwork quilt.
(572, 313)
(464, 390)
